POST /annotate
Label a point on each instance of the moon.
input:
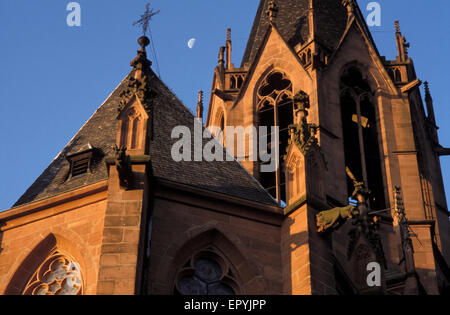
(191, 43)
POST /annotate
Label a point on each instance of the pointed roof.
(292, 22)
(100, 131)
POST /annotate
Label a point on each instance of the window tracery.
(206, 273)
(57, 275)
(361, 137)
(275, 108)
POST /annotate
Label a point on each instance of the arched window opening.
(135, 135)
(361, 139)
(130, 130)
(240, 82)
(206, 273)
(398, 76)
(124, 133)
(57, 275)
(391, 74)
(233, 83)
(275, 108)
(222, 123)
(303, 59)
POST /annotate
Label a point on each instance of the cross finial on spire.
(272, 10)
(146, 18)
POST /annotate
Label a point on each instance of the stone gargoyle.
(334, 218)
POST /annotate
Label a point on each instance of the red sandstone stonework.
(139, 225)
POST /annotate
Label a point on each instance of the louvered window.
(80, 163)
(80, 167)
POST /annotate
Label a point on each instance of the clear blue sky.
(53, 77)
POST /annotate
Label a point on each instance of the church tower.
(352, 135)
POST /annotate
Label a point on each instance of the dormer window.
(80, 162)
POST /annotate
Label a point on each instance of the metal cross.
(146, 18)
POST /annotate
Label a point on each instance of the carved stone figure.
(335, 218)
(123, 165)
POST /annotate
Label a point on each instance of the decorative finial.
(428, 97)
(429, 103)
(222, 55)
(272, 10)
(146, 18)
(200, 97)
(200, 105)
(397, 26)
(143, 41)
(228, 50)
(427, 88)
(350, 5)
(402, 44)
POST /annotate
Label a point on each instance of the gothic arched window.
(57, 275)
(275, 108)
(361, 138)
(206, 273)
(398, 76)
(135, 133)
(233, 83)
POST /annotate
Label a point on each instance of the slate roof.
(293, 25)
(100, 132)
